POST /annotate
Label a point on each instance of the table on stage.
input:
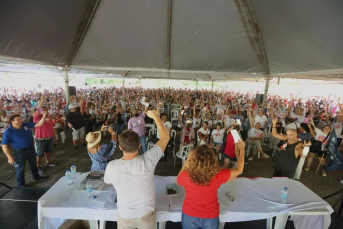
(255, 199)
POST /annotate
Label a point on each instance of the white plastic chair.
(150, 145)
(174, 115)
(183, 153)
(173, 134)
(266, 135)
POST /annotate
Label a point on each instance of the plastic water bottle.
(68, 177)
(15, 164)
(284, 195)
(89, 189)
(73, 171)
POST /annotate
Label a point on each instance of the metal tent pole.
(212, 86)
(265, 93)
(66, 84)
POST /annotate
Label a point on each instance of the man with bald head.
(288, 159)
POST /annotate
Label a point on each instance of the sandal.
(306, 169)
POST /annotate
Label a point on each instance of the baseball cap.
(71, 106)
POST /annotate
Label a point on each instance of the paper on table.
(244, 202)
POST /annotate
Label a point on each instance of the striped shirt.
(103, 156)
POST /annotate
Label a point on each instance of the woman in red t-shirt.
(201, 177)
(230, 148)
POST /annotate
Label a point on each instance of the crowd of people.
(205, 120)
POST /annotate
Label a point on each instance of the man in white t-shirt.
(254, 137)
(298, 115)
(338, 127)
(262, 119)
(133, 178)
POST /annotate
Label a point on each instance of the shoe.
(39, 178)
(84, 144)
(50, 164)
(265, 156)
(40, 171)
(306, 169)
(250, 158)
(324, 174)
(76, 148)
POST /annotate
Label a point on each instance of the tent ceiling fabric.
(130, 34)
(302, 35)
(42, 30)
(208, 39)
(209, 36)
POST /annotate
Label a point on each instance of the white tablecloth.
(255, 199)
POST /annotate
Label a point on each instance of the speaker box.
(259, 98)
(72, 90)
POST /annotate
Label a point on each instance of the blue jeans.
(189, 222)
(21, 156)
(120, 128)
(143, 143)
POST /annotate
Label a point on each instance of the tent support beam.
(83, 27)
(66, 84)
(170, 5)
(212, 86)
(249, 21)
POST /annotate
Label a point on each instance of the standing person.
(338, 127)
(76, 122)
(44, 137)
(133, 178)
(137, 124)
(201, 177)
(121, 121)
(318, 146)
(20, 137)
(230, 151)
(262, 119)
(100, 154)
(288, 159)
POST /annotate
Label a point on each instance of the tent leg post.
(66, 85)
(265, 93)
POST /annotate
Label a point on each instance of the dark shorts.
(231, 158)
(44, 146)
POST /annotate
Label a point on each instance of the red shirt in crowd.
(202, 201)
(46, 130)
(230, 146)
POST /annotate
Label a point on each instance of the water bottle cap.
(72, 165)
(285, 188)
(67, 170)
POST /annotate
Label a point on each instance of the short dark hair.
(163, 114)
(129, 141)
(206, 122)
(12, 117)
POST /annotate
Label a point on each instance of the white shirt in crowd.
(262, 120)
(92, 112)
(320, 136)
(338, 126)
(254, 133)
(300, 118)
(292, 126)
(204, 132)
(167, 125)
(196, 122)
(218, 136)
(134, 183)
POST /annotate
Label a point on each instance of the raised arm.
(240, 161)
(250, 119)
(275, 133)
(41, 121)
(164, 135)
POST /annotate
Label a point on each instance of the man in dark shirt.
(147, 118)
(121, 121)
(76, 122)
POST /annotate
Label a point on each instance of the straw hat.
(93, 138)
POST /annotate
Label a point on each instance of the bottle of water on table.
(68, 177)
(73, 171)
(284, 195)
(89, 189)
